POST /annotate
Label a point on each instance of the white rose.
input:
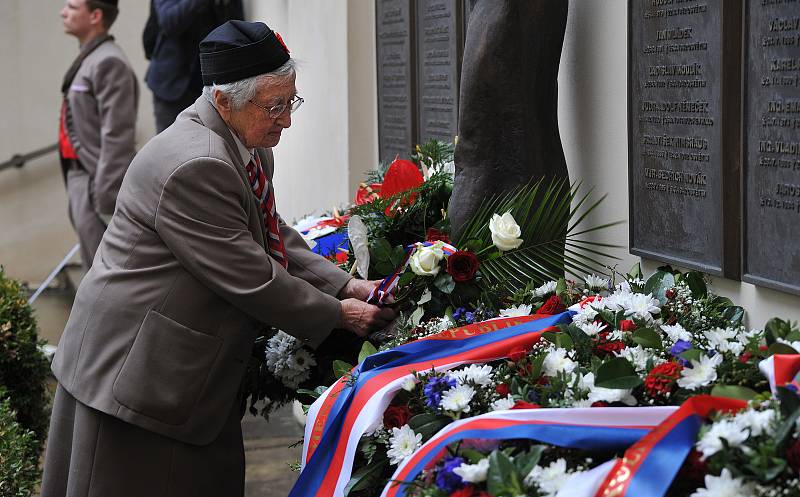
(425, 260)
(505, 231)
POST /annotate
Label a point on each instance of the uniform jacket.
(164, 322)
(174, 69)
(101, 121)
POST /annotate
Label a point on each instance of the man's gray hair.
(240, 92)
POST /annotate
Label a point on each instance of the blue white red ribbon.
(356, 403)
(602, 428)
(782, 370)
(387, 285)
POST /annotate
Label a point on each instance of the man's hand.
(360, 289)
(362, 318)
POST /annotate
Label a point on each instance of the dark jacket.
(174, 70)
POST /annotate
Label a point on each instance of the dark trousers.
(92, 454)
(166, 111)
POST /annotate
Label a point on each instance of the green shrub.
(23, 367)
(19, 455)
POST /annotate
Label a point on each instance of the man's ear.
(96, 17)
(222, 103)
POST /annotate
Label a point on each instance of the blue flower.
(680, 347)
(458, 313)
(434, 388)
(533, 396)
(469, 317)
(446, 479)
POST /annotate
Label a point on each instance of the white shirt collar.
(246, 153)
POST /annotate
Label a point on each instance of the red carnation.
(396, 416)
(502, 389)
(611, 347)
(661, 379)
(467, 491)
(434, 235)
(627, 325)
(793, 455)
(518, 353)
(552, 306)
(525, 405)
(462, 266)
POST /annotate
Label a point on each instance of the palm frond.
(551, 217)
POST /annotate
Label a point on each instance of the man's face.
(77, 18)
(253, 124)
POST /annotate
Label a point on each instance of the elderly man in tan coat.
(194, 258)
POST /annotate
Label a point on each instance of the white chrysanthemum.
(617, 301)
(557, 361)
(745, 335)
(473, 473)
(756, 422)
(409, 384)
(711, 442)
(503, 404)
(437, 325)
(425, 259)
(403, 442)
(724, 340)
(278, 351)
(725, 485)
(638, 356)
(549, 287)
(516, 311)
(549, 479)
(676, 332)
(475, 373)
(297, 368)
(584, 316)
(642, 306)
(623, 286)
(457, 399)
(593, 328)
(701, 374)
(600, 394)
(597, 282)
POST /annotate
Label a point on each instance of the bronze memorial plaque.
(439, 48)
(772, 144)
(684, 118)
(394, 33)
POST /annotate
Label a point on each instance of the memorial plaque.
(684, 121)
(395, 27)
(439, 48)
(772, 144)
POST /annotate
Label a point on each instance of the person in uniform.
(98, 120)
(195, 258)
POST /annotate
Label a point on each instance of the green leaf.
(786, 428)
(473, 456)
(367, 349)
(790, 401)
(635, 272)
(341, 368)
(416, 316)
(397, 255)
(525, 462)
(617, 373)
(310, 393)
(536, 370)
(405, 278)
(658, 284)
(733, 392)
(648, 338)
(431, 428)
(776, 328)
(691, 354)
(380, 250)
(444, 282)
(779, 348)
(425, 297)
(733, 314)
(561, 289)
(696, 284)
(502, 479)
(560, 339)
(367, 477)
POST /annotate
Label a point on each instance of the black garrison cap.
(239, 50)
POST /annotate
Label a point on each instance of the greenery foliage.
(23, 367)
(19, 454)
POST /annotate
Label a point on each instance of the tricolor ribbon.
(384, 289)
(602, 429)
(649, 466)
(782, 370)
(356, 402)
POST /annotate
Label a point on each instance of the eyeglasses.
(277, 110)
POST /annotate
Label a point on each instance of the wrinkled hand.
(360, 289)
(362, 318)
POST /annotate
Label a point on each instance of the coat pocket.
(166, 370)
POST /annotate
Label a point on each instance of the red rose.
(467, 491)
(462, 266)
(502, 389)
(518, 353)
(609, 348)
(552, 306)
(525, 405)
(661, 379)
(600, 403)
(627, 325)
(396, 416)
(793, 455)
(433, 235)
